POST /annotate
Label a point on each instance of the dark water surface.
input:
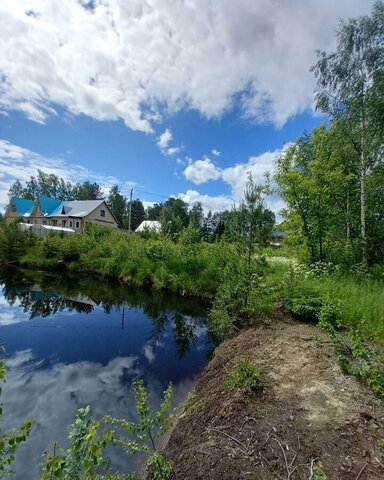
(73, 341)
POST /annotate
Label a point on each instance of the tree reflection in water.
(45, 294)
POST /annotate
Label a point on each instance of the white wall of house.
(101, 216)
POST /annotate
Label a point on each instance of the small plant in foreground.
(84, 459)
(160, 467)
(381, 446)
(244, 376)
(319, 472)
(9, 442)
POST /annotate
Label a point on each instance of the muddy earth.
(306, 421)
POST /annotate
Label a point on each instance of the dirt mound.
(306, 421)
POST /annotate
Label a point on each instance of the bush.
(244, 376)
(305, 303)
(329, 316)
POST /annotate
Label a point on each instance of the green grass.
(360, 299)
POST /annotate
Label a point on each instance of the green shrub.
(319, 472)
(160, 467)
(329, 316)
(305, 303)
(381, 446)
(244, 376)
(84, 458)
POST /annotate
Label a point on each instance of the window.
(63, 222)
(44, 222)
(13, 208)
(102, 213)
(54, 223)
(77, 224)
(70, 224)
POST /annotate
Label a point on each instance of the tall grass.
(360, 298)
(361, 302)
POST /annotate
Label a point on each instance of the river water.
(76, 341)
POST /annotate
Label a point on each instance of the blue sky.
(168, 98)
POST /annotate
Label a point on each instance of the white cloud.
(136, 59)
(235, 177)
(20, 163)
(202, 171)
(215, 152)
(163, 142)
(164, 139)
(214, 203)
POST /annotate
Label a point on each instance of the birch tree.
(349, 81)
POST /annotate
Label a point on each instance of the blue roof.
(48, 205)
(23, 206)
(59, 209)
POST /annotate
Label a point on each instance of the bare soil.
(306, 417)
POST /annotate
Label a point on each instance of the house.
(149, 226)
(74, 214)
(276, 238)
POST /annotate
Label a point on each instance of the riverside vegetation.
(348, 305)
(330, 272)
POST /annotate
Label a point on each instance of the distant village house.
(74, 214)
(149, 226)
(276, 238)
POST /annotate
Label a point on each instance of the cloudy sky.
(180, 97)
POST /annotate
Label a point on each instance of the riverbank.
(305, 420)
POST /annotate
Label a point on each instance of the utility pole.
(130, 211)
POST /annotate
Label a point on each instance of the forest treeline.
(174, 214)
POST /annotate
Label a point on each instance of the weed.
(162, 468)
(243, 376)
(381, 446)
(319, 472)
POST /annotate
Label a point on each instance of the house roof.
(277, 234)
(23, 206)
(153, 225)
(52, 207)
(75, 208)
(48, 205)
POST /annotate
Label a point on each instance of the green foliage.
(319, 472)
(243, 376)
(304, 303)
(85, 454)
(160, 467)
(332, 178)
(9, 442)
(240, 295)
(381, 446)
(14, 242)
(51, 185)
(174, 217)
(84, 459)
(330, 316)
(188, 266)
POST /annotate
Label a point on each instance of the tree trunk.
(363, 214)
(348, 220)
